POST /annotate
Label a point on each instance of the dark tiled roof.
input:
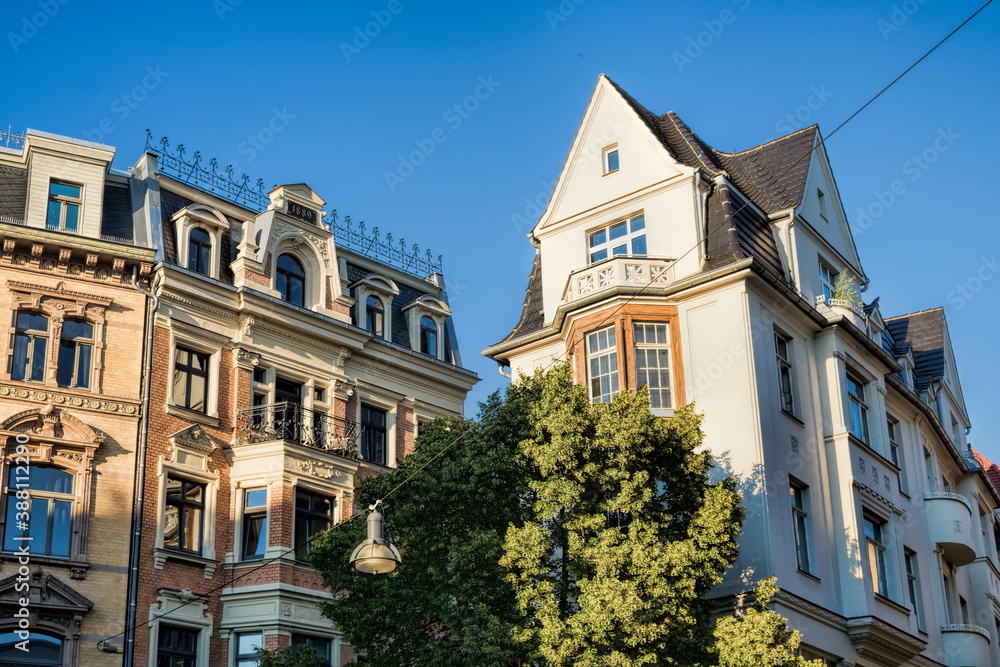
(407, 295)
(13, 190)
(170, 203)
(924, 333)
(992, 470)
(116, 218)
(532, 313)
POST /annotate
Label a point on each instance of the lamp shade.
(376, 555)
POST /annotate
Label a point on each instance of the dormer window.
(374, 315)
(199, 251)
(626, 237)
(428, 336)
(427, 315)
(827, 278)
(290, 280)
(64, 206)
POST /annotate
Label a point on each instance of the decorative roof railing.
(237, 190)
(11, 139)
(375, 245)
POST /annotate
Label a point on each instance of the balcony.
(293, 423)
(949, 522)
(965, 645)
(614, 272)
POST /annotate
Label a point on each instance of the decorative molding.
(193, 437)
(881, 642)
(59, 291)
(315, 469)
(70, 400)
(202, 306)
(245, 359)
(411, 378)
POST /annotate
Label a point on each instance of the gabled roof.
(992, 470)
(532, 316)
(924, 332)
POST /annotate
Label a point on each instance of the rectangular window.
(183, 514)
(245, 653)
(602, 364)
(611, 159)
(949, 597)
(177, 647)
(31, 337)
(652, 362)
(821, 198)
(827, 278)
(857, 409)
(313, 515)
(322, 646)
(783, 356)
(896, 452)
(913, 587)
(876, 555)
(49, 523)
(374, 434)
(191, 379)
(76, 345)
(64, 206)
(800, 524)
(626, 237)
(254, 523)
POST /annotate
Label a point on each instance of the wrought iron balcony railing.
(293, 423)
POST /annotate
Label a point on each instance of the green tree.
(628, 535)
(303, 656)
(758, 636)
(448, 604)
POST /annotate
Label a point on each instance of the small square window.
(319, 395)
(611, 159)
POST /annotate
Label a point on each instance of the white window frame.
(609, 244)
(785, 364)
(180, 609)
(234, 643)
(380, 286)
(914, 592)
(864, 406)
(661, 410)
(878, 546)
(827, 278)
(611, 351)
(207, 218)
(197, 342)
(606, 159)
(434, 308)
(800, 514)
(896, 452)
(64, 202)
(390, 405)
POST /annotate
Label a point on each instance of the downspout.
(152, 302)
(500, 366)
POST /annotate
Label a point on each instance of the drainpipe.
(500, 366)
(152, 302)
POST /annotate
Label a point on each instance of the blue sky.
(347, 105)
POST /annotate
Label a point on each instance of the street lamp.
(376, 555)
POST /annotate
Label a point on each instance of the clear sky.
(297, 91)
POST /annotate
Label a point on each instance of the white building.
(709, 276)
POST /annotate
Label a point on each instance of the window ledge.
(868, 448)
(78, 568)
(160, 557)
(892, 604)
(193, 415)
(812, 576)
(793, 418)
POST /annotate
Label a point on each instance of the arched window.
(199, 250)
(373, 315)
(290, 280)
(31, 339)
(45, 650)
(50, 509)
(428, 336)
(76, 346)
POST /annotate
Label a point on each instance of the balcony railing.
(640, 272)
(293, 423)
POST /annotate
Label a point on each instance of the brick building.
(70, 403)
(286, 365)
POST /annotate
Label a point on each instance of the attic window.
(611, 159)
(822, 204)
(625, 237)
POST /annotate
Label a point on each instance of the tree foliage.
(302, 656)
(628, 535)
(448, 604)
(758, 636)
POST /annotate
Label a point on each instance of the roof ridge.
(918, 312)
(694, 142)
(813, 127)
